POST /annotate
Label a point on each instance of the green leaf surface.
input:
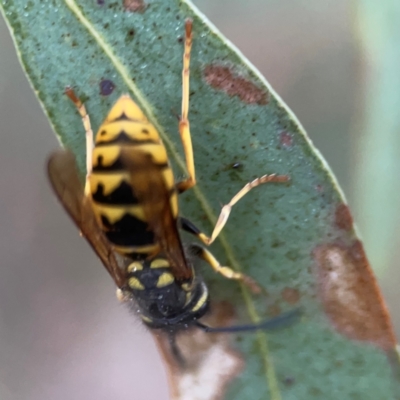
(296, 239)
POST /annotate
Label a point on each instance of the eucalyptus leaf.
(296, 239)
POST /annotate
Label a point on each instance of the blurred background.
(62, 333)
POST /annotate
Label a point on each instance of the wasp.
(128, 207)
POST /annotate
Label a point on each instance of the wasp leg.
(227, 272)
(188, 226)
(88, 131)
(191, 228)
(184, 127)
(227, 208)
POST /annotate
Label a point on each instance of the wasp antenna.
(281, 321)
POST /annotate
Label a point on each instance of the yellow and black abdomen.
(119, 211)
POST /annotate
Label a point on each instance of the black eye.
(145, 131)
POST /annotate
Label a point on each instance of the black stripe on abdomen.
(122, 138)
(123, 194)
(118, 165)
(128, 231)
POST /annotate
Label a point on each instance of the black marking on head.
(149, 277)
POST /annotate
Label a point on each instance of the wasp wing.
(64, 178)
(149, 186)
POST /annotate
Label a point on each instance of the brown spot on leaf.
(343, 218)
(286, 139)
(274, 310)
(134, 5)
(211, 363)
(290, 295)
(350, 295)
(222, 78)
